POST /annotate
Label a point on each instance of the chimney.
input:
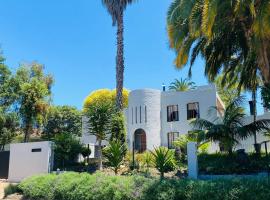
(163, 87)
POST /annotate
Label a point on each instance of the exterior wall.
(156, 126)
(24, 163)
(249, 142)
(206, 96)
(149, 120)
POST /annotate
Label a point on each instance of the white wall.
(24, 163)
(206, 96)
(249, 142)
(152, 100)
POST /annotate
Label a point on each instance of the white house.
(157, 118)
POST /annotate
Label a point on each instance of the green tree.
(99, 124)
(63, 119)
(182, 85)
(9, 124)
(67, 148)
(163, 160)
(8, 90)
(229, 129)
(34, 91)
(115, 154)
(266, 96)
(228, 34)
(118, 129)
(116, 9)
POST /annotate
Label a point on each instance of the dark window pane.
(193, 110)
(172, 137)
(172, 113)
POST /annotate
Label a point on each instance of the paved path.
(2, 186)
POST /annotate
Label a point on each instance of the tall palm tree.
(225, 33)
(116, 9)
(182, 85)
(229, 129)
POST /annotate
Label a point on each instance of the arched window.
(140, 140)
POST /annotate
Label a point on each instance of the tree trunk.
(120, 61)
(255, 112)
(264, 64)
(28, 130)
(100, 165)
(161, 175)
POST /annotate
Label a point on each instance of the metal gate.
(4, 164)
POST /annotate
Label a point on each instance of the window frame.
(172, 137)
(171, 116)
(189, 117)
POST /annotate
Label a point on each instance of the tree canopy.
(227, 34)
(104, 96)
(63, 119)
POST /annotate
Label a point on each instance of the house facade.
(157, 118)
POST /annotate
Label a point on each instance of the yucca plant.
(163, 160)
(115, 153)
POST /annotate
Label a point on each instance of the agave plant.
(163, 160)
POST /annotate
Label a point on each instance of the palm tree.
(226, 33)
(229, 129)
(116, 9)
(182, 85)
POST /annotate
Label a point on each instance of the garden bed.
(74, 186)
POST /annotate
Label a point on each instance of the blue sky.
(75, 41)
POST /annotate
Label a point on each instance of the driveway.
(2, 186)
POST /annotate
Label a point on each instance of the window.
(132, 114)
(140, 114)
(136, 113)
(172, 113)
(173, 136)
(145, 114)
(193, 110)
(36, 150)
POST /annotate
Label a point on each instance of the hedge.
(224, 164)
(74, 186)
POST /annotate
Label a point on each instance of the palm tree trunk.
(100, 165)
(255, 112)
(120, 61)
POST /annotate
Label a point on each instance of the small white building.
(157, 118)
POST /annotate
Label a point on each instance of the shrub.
(73, 186)
(224, 164)
(11, 189)
(67, 148)
(163, 160)
(115, 153)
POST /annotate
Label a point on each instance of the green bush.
(73, 186)
(11, 189)
(224, 164)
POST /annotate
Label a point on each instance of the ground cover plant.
(74, 186)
